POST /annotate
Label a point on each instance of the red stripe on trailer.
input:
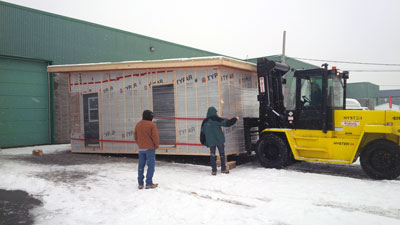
(118, 78)
(188, 144)
(133, 142)
(102, 140)
(181, 118)
(177, 118)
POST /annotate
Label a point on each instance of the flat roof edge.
(155, 64)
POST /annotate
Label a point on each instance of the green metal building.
(365, 92)
(34, 104)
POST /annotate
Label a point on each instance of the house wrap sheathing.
(107, 100)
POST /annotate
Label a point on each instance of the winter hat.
(148, 115)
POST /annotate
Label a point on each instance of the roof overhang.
(156, 64)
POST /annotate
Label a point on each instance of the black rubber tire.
(291, 159)
(380, 159)
(272, 152)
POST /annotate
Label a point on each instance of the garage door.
(24, 103)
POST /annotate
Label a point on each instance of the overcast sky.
(344, 30)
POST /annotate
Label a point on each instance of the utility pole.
(283, 47)
(286, 90)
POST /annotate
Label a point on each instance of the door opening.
(91, 119)
(164, 112)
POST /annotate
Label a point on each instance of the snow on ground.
(106, 193)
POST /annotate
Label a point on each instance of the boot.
(140, 186)
(213, 173)
(151, 186)
(225, 171)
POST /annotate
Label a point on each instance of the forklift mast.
(270, 81)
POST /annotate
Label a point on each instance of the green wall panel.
(24, 107)
(17, 89)
(30, 33)
(22, 115)
(21, 76)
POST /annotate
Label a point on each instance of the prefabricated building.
(107, 100)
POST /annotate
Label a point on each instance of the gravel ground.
(15, 207)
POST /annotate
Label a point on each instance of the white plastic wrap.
(179, 98)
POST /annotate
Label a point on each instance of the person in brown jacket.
(146, 137)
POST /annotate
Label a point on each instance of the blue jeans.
(148, 156)
(213, 157)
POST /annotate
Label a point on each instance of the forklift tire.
(272, 152)
(291, 159)
(380, 159)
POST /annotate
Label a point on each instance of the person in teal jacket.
(214, 138)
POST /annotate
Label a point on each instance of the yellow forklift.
(312, 124)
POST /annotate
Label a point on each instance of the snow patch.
(107, 193)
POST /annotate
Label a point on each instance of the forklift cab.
(317, 93)
(313, 96)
